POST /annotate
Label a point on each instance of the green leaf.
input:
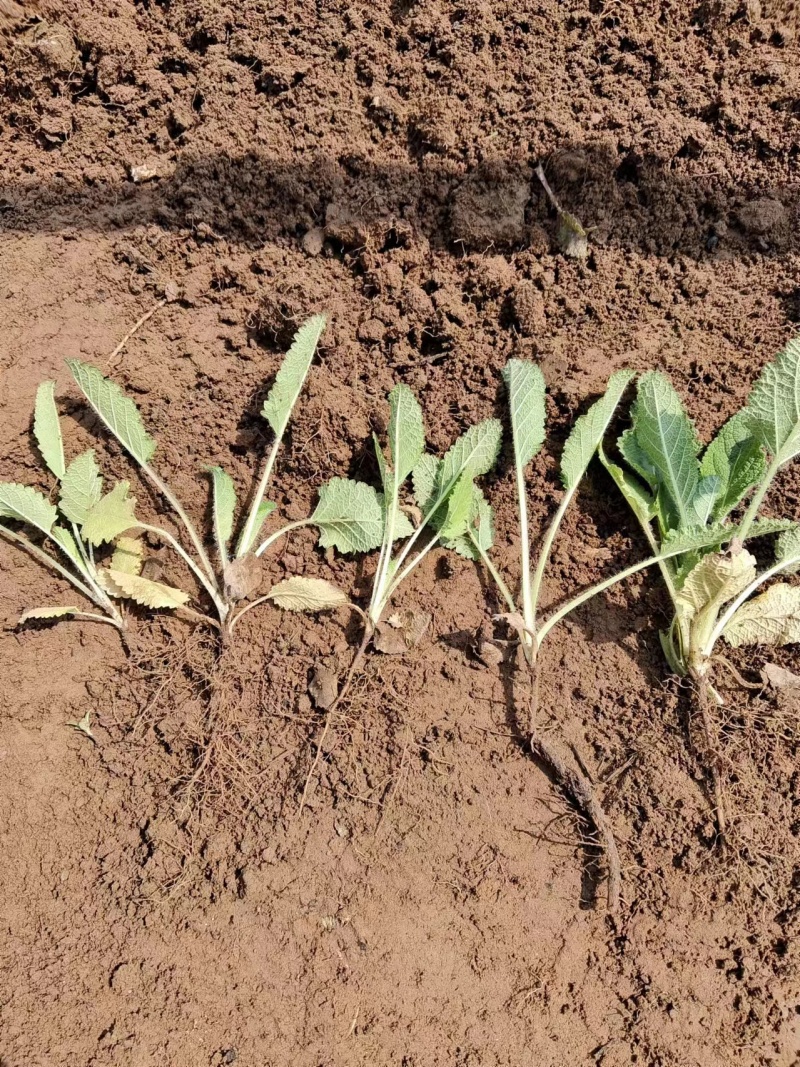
(773, 618)
(66, 542)
(111, 516)
(403, 527)
(223, 506)
(455, 515)
(589, 430)
(639, 500)
(289, 380)
(406, 432)
(349, 516)
(704, 499)
(666, 436)
(81, 488)
(141, 590)
(480, 529)
(307, 594)
(117, 411)
(474, 453)
(424, 477)
(128, 555)
(24, 504)
(632, 453)
(46, 613)
(787, 546)
(773, 407)
(265, 509)
(526, 400)
(692, 540)
(737, 459)
(47, 429)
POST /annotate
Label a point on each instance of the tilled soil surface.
(438, 901)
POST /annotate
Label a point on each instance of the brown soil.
(438, 902)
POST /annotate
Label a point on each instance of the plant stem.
(601, 587)
(528, 597)
(501, 585)
(544, 555)
(49, 561)
(401, 577)
(196, 540)
(248, 531)
(734, 605)
(385, 557)
(219, 603)
(755, 503)
(262, 548)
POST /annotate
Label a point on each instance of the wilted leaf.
(243, 577)
(571, 236)
(84, 725)
(349, 516)
(773, 618)
(713, 582)
(307, 594)
(128, 555)
(143, 591)
(324, 686)
(401, 631)
(47, 429)
(111, 516)
(289, 380)
(779, 677)
(81, 487)
(117, 411)
(46, 613)
(24, 504)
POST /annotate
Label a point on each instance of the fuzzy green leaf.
(265, 509)
(406, 432)
(667, 437)
(639, 500)
(704, 499)
(787, 546)
(403, 526)
(474, 453)
(81, 487)
(142, 590)
(349, 516)
(424, 477)
(692, 540)
(526, 400)
(47, 429)
(117, 411)
(773, 618)
(480, 529)
(223, 505)
(307, 594)
(291, 376)
(111, 516)
(589, 430)
(128, 555)
(24, 504)
(455, 515)
(737, 459)
(773, 407)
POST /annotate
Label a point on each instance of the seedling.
(349, 514)
(526, 396)
(674, 488)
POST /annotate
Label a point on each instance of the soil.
(438, 901)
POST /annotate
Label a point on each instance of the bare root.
(712, 755)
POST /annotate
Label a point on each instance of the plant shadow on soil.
(641, 205)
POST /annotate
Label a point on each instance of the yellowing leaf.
(141, 590)
(128, 555)
(715, 580)
(307, 594)
(46, 613)
(111, 516)
(773, 618)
